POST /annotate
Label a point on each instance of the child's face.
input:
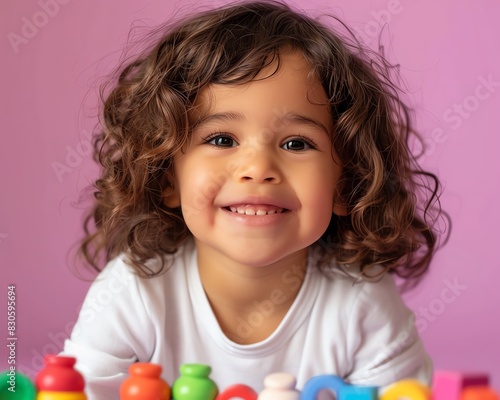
(257, 183)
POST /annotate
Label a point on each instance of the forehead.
(278, 89)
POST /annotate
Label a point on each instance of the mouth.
(253, 209)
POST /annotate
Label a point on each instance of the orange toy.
(144, 383)
(479, 393)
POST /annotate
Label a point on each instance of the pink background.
(447, 49)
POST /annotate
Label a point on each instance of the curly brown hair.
(392, 203)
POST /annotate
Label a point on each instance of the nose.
(258, 166)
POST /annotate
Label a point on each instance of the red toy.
(238, 391)
(58, 380)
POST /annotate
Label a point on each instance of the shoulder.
(357, 292)
(382, 342)
(123, 306)
(121, 267)
(359, 307)
(367, 309)
(120, 285)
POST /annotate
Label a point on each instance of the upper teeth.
(249, 211)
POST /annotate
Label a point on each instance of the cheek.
(317, 186)
(199, 185)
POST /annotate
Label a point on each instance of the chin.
(255, 260)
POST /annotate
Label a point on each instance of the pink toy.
(448, 385)
(279, 386)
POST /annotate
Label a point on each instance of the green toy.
(194, 383)
(16, 386)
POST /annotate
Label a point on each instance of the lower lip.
(256, 220)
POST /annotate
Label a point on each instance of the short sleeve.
(113, 331)
(383, 342)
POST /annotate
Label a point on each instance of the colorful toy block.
(479, 393)
(408, 388)
(238, 391)
(350, 392)
(16, 386)
(58, 380)
(338, 387)
(279, 386)
(448, 385)
(194, 383)
(144, 383)
(317, 383)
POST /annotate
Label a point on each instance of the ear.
(171, 195)
(339, 208)
(339, 205)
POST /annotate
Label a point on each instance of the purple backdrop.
(55, 51)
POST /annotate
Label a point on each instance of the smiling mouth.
(255, 210)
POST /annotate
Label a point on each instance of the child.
(257, 191)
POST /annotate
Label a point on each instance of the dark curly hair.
(392, 204)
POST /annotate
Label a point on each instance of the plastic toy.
(144, 383)
(58, 380)
(335, 384)
(448, 385)
(408, 388)
(238, 391)
(479, 393)
(279, 386)
(16, 386)
(194, 383)
(351, 392)
(317, 383)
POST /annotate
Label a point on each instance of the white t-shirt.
(361, 332)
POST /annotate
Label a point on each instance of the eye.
(220, 140)
(298, 144)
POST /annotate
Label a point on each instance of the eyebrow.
(231, 116)
(220, 117)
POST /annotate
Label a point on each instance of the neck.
(250, 302)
